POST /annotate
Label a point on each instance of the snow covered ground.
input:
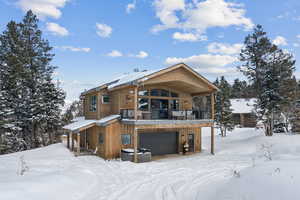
(240, 170)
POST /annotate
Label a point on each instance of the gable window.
(126, 139)
(160, 92)
(101, 138)
(93, 103)
(105, 99)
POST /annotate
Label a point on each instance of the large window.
(143, 104)
(126, 139)
(174, 104)
(143, 93)
(93, 103)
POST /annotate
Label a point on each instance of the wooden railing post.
(72, 141)
(212, 134)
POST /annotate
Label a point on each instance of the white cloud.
(114, 53)
(75, 49)
(189, 37)
(103, 30)
(198, 16)
(130, 7)
(56, 29)
(280, 41)
(224, 48)
(298, 36)
(141, 54)
(206, 63)
(296, 44)
(43, 8)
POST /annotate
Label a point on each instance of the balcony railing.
(165, 114)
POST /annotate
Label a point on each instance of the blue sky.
(95, 40)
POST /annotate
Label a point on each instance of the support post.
(72, 141)
(68, 139)
(212, 134)
(78, 143)
(135, 101)
(135, 144)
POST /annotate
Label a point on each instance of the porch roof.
(82, 123)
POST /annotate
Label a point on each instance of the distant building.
(243, 112)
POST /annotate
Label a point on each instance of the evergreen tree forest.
(30, 100)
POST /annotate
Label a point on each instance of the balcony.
(165, 114)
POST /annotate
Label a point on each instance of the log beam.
(135, 101)
(68, 139)
(72, 141)
(212, 134)
(135, 138)
(78, 143)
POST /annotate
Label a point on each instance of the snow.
(239, 170)
(129, 77)
(104, 120)
(78, 124)
(242, 105)
(82, 122)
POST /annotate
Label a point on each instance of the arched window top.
(158, 93)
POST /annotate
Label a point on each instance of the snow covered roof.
(82, 122)
(76, 119)
(130, 78)
(242, 105)
(105, 120)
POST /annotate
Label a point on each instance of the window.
(143, 93)
(174, 104)
(105, 99)
(126, 139)
(93, 103)
(160, 92)
(143, 104)
(173, 94)
(101, 138)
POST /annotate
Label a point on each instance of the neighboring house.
(243, 112)
(147, 109)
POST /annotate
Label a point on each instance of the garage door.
(159, 143)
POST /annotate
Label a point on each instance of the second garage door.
(159, 143)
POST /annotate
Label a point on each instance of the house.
(147, 109)
(243, 112)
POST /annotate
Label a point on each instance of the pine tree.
(26, 77)
(74, 110)
(223, 111)
(267, 67)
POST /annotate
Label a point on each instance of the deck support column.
(68, 139)
(135, 102)
(212, 130)
(72, 141)
(135, 137)
(78, 143)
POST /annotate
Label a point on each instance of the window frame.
(122, 139)
(93, 103)
(105, 96)
(101, 135)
